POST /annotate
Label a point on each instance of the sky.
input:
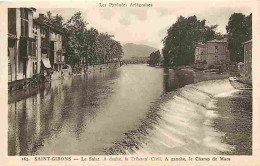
(148, 25)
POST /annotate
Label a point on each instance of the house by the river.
(35, 49)
(212, 53)
(248, 60)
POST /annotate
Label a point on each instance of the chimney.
(41, 17)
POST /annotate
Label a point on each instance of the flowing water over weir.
(184, 122)
(135, 109)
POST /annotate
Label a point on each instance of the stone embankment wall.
(41, 78)
(94, 68)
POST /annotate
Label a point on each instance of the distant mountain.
(137, 50)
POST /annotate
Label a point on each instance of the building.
(248, 60)
(200, 52)
(57, 49)
(212, 53)
(12, 58)
(22, 57)
(51, 45)
(217, 52)
(42, 42)
(34, 48)
(241, 69)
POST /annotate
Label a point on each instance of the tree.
(84, 46)
(76, 27)
(107, 48)
(154, 58)
(90, 46)
(239, 30)
(179, 44)
(56, 21)
(116, 50)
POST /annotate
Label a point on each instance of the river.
(135, 109)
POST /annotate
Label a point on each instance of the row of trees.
(179, 43)
(155, 58)
(84, 45)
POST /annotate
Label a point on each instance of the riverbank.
(28, 87)
(140, 109)
(202, 118)
(94, 68)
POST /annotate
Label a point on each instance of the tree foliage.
(84, 46)
(239, 30)
(56, 21)
(179, 43)
(76, 28)
(154, 58)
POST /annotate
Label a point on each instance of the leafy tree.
(107, 48)
(179, 44)
(84, 46)
(90, 40)
(154, 58)
(56, 21)
(116, 50)
(76, 26)
(239, 30)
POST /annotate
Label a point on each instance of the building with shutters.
(51, 42)
(22, 55)
(34, 48)
(248, 60)
(212, 53)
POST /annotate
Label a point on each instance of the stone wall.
(41, 78)
(94, 68)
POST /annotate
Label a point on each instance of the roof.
(249, 41)
(217, 41)
(201, 45)
(32, 9)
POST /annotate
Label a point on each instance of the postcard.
(129, 82)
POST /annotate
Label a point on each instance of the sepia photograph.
(130, 79)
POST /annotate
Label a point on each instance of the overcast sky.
(149, 25)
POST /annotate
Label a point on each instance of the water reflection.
(86, 114)
(43, 116)
(174, 79)
(72, 116)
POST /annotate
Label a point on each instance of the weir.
(181, 122)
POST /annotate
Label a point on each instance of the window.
(32, 48)
(42, 31)
(33, 67)
(24, 13)
(216, 49)
(24, 28)
(12, 21)
(24, 22)
(8, 55)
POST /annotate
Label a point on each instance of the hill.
(137, 50)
